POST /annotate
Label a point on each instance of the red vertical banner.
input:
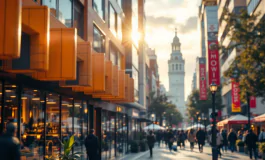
(252, 102)
(235, 97)
(213, 62)
(202, 76)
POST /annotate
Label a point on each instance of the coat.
(191, 136)
(251, 140)
(232, 138)
(200, 135)
(151, 140)
(9, 147)
(225, 141)
(219, 139)
(91, 143)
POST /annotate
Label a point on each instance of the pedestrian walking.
(170, 139)
(92, 147)
(232, 140)
(219, 141)
(191, 138)
(251, 140)
(166, 137)
(262, 136)
(9, 144)
(159, 137)
(200, 136)
(182, 138)
(225, 141)
(151, 142)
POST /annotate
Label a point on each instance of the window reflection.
(112, 20)
(98, 6)
(32, 129)
(135, 59)
(11, 103)
(98, 41)
(52, 124)
(119, 27)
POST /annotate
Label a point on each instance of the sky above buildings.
(163, 16)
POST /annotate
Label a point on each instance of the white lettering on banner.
(213, 56)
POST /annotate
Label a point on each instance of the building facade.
(63, 72)
(176, 74)
(226, 59)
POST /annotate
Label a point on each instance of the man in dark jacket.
(9, 145)
(251, 140)
(91, 143)
(225, 141)
(232, 137)
(151, 142)
(159, 137)
(200, 136)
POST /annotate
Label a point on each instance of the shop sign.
(252, 102)
(235, 97)
(203, 83)
(213, 63)
(135, 113)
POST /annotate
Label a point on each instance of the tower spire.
(176, 31)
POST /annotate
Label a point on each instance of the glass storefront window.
(98, 6)
(65, 12)
(11, 103)
(135, 58)
(79, 18)
(32, 124)
(112, 20)
(52, 144)
(62, 9)
(98, 41)
(85, 127)
(119, 27)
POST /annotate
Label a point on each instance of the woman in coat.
(191, 138)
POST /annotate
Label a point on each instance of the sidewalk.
(163, 153)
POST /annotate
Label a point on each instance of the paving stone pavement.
(163, 153)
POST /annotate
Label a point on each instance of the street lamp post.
(197, 119)
(213, 88)
(248, 106)
(153, 118)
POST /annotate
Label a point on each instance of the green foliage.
(67, 153)
(262, 147)
(248, 39)
(134, 146)
(240, 143)
(196, 105)
(162, 108)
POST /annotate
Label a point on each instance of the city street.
(163, 153)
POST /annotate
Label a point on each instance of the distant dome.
(176, 39)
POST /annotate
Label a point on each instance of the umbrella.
(154, 127)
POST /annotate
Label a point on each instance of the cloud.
(159, 21)
(190, 25)
(169, 23)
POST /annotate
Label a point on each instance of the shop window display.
(52, 144)
(32, 123)
(11, 104)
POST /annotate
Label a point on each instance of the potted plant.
(240, 144)
(262, 150)
(67, 151)
(143, 145)
(134, 147)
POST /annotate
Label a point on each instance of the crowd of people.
(174, 139)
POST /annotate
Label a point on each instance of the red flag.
(252, 103)
(203, 83)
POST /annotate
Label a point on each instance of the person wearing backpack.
(262, 136)
(92, 147)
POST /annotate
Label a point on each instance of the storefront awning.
(236, 119)
(260, 118)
